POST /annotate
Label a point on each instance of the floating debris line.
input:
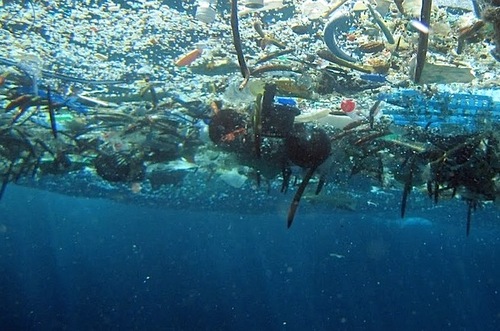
(65, 78)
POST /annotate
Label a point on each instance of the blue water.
(82, 264)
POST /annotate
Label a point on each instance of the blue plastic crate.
(467, 110)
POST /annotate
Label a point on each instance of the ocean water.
(87, 264)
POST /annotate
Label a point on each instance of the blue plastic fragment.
(286, 101)
(74, 105)
(377, 78)
(57, 99)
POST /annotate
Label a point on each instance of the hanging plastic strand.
(237, 44)
(423, 41)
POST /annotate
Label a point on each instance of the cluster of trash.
(225, 96)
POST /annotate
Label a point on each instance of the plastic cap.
(348, 105)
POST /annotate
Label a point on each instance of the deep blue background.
(80, 264)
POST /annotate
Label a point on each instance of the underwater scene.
(249, 165)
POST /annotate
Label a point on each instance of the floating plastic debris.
(471, 112)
